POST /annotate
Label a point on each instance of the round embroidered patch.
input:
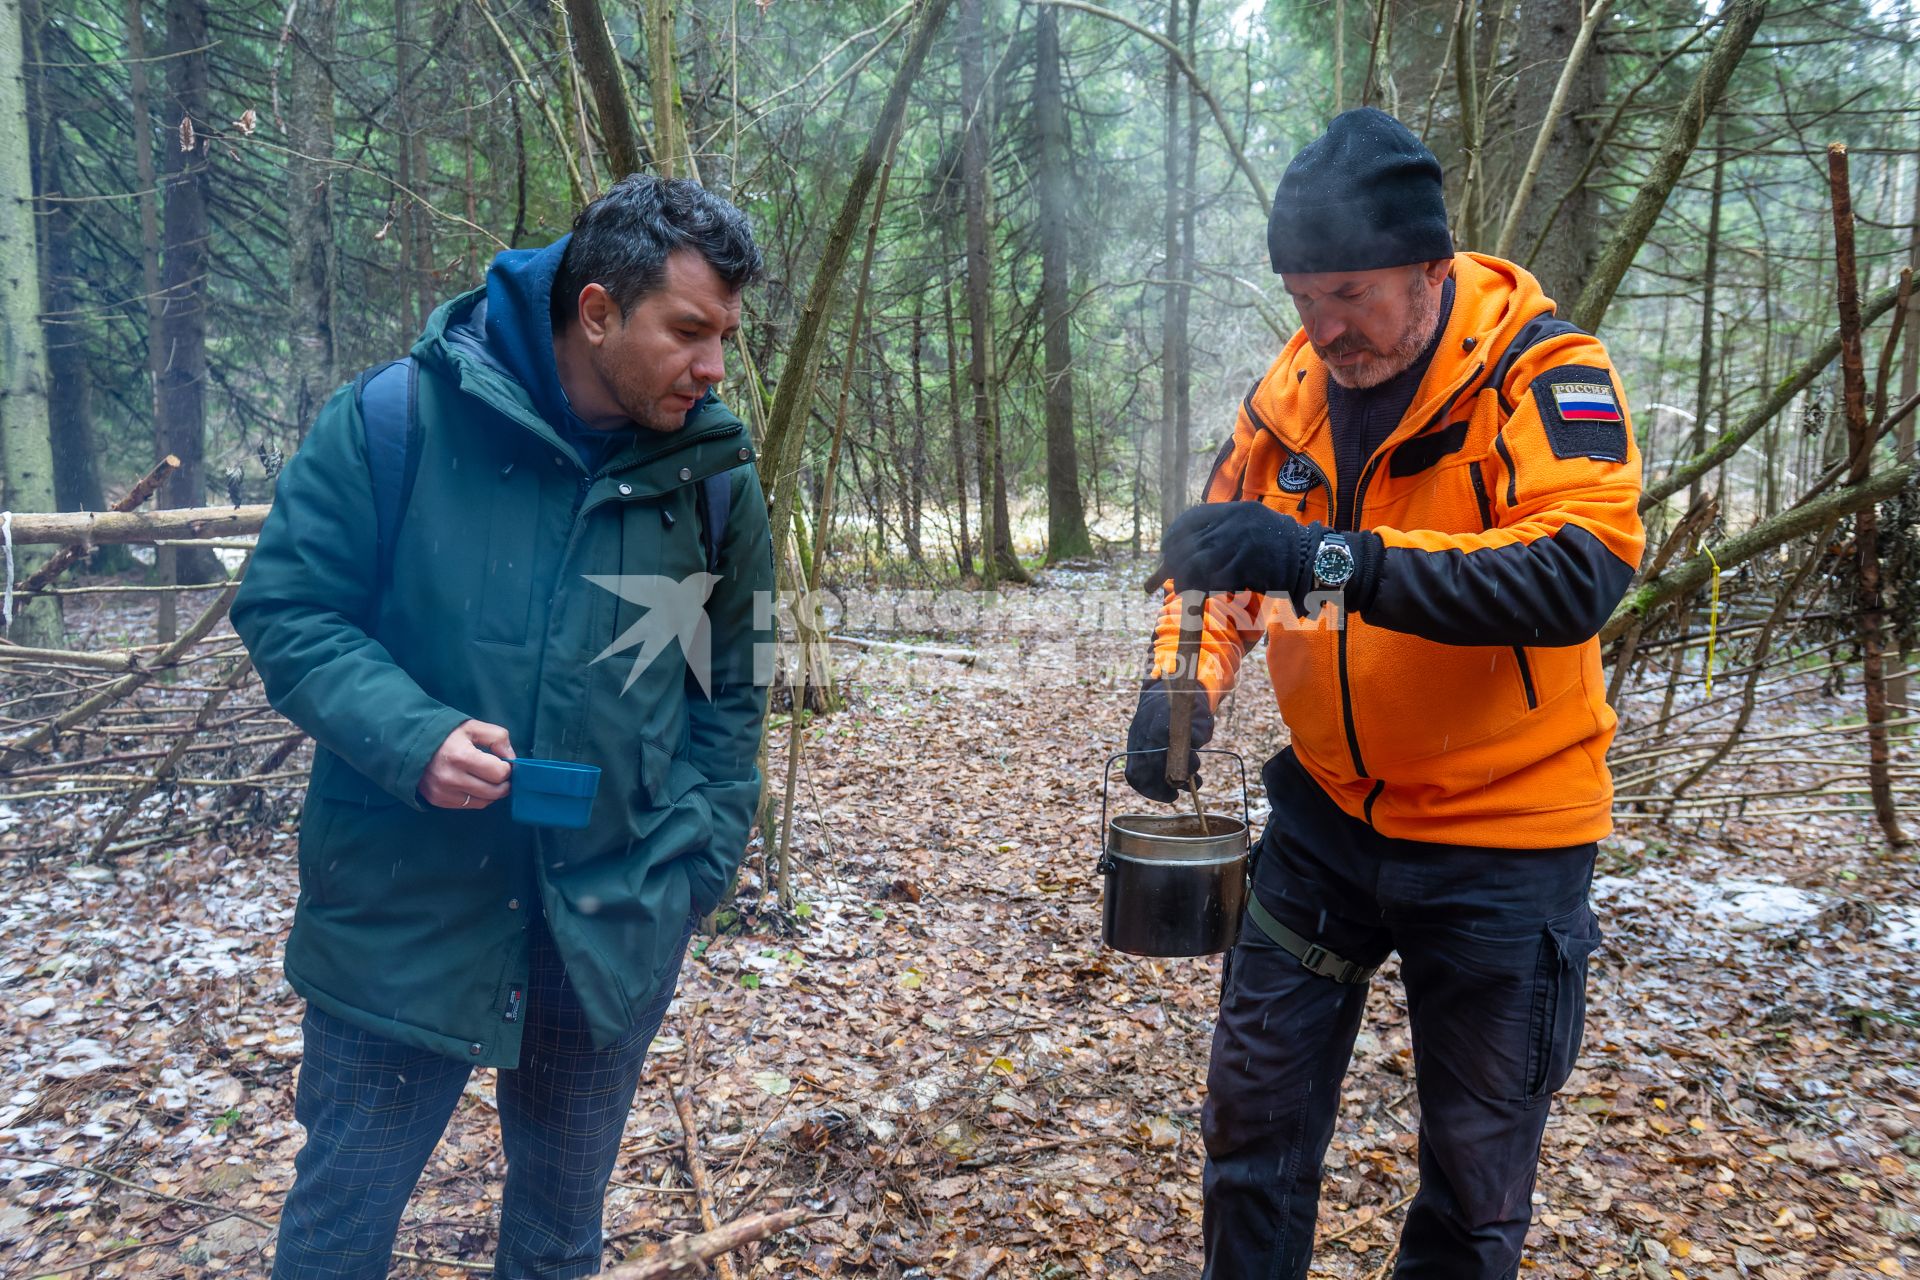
(1296, 476)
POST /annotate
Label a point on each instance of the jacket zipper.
(1526, 677)
(1359, 501)
(1486, 522)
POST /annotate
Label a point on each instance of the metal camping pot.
(1171, 888)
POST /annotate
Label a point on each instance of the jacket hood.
(517, 328)
(1493, 298)
(496, 341)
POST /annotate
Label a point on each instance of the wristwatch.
(1332, 562)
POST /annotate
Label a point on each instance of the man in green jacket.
(556, 524)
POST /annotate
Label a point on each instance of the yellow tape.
(1713, 615)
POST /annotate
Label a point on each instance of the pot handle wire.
(1105, 864)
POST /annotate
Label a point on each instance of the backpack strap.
(387, 397)
(715, 501)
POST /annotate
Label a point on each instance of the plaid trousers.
(374, 1110)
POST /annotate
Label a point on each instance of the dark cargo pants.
(1493, 950)
(374, 1110)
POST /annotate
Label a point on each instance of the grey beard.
(1400, 357)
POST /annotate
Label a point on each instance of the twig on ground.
(687, 1256)
(697, 1174)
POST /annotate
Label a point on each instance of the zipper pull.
(512, 1013)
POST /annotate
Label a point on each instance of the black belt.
(1311, 955)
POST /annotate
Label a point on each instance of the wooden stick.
(22, 748)
(58, 562)
(687, 1256)
(697, 1174)
(1866, 522)
(1182, 684)
(164, 771)
(965, 657)
(31, 527)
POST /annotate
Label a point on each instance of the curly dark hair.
(621, 241)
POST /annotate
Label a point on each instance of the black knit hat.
(1364, 194)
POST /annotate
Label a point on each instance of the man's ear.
(1436, 271)
(597, 313)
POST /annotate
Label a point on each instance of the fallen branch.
(20, 749)
(1768, 534)
(165, 770)
(105, 660)
(687, 1256)
(697, 1174)
(965, 657)
(41, 527)
(58, 562)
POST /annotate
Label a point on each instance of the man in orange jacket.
(1428, 507)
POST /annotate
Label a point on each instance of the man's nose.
(709, 362)
(1324, 331)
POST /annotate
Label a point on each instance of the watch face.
(1333, 563)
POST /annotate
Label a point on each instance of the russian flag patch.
(1581, 413)
(1585, 402)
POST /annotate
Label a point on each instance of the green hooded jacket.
(413, 921)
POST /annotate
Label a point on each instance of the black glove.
(1248, 546)
(1152, 724)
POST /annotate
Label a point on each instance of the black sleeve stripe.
(1513, 475)
(1543, 594)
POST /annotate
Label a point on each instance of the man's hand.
(470, 769)
(1152, 723)
(1237, 546)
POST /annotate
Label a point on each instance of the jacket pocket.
(656, 774)
(1527, 688)
(339, 804)
(1560, 1000)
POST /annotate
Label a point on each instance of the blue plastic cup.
(553, 793)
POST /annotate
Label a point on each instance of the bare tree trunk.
(1556, 111)
(996, 527)
(1339, 54)
(1898, 688)
(823, 514)
(1709, 322)
(604, 78)
(1472, 140)
(182, 391)
(1743, 18)
(416, 231)
(793, 395)
(312, 364)
(671, 156)
(165, 568)
(917, 448)
(1066, 519)
(26, 447)
(1866, 524)
(76, 469)
(1172, 339)
(955, 420)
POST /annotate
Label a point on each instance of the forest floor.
(935, 1053)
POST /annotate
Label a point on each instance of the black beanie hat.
(1364, 194)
